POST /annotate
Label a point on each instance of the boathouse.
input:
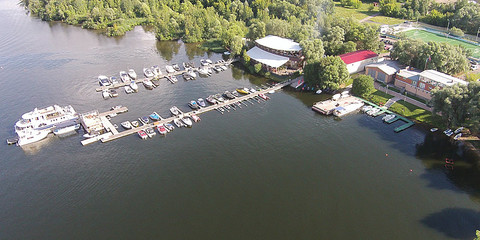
(383, 71)
(421, 84)
(278, 55)
(356, 61)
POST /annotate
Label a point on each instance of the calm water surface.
(274, 170)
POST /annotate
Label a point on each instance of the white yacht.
(134, 86)
(132, 74)
(37, 124)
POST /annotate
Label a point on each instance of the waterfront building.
(383, 72)
(277, 55)
(422, 83)
(356, 61)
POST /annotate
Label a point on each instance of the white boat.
(340, 111)
(187, 121)
(142, 134)
(135, 123)
(373, 111)
(388, 117)
(457, 136)
(37, 124)
(103, 80)
(150, 132)
(126, 125)
(132, 74)
(172, 79)
(148, 84)
(336, 97)
(433, 129)
(66, 130)
(178, 123)
(156, 71)
(223, 67)
(134, 86)
(195, 118)
(319, 91)
(162, 129)
(204, 71)
(148, 73)
(169, 127)
(201, 102)
(175, 111)
(169, 69)
(208, 61)
(458, 130)
(203, 62)
(124, 77)
(106, 94)
(448, 132)
(113, 80)
(367, 108)
(176, 67)
(113, 93)
(128, 89)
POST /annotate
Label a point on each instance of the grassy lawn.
(418, 114)
(379, 97)
(432, 37)
(386, 20)
(358, 14)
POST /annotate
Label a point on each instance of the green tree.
(456, 32)
(477, 233)
(333, 40)
(256, 29)
(312, 49)
(389, 7)
(258, 67)
(236, 45)
(363, 86)
(328, 72)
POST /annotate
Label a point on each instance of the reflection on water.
(168, 48)
(36, 147)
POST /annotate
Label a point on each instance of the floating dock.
(113, 134)
(327, 107)
(408, 123)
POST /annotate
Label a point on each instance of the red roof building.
(356, 61)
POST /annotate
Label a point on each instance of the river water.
(273, 170)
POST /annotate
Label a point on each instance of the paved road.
(403, 97)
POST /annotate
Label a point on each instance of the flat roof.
(442, 78)
(279, 43)
(267, 58)
(388, 67)
(411, 74)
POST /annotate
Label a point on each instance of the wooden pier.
(114, 134)
(161, 76)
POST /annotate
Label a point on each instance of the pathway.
(405, 98)
(369, 17)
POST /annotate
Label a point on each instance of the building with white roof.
(274, 52)
(422, 83)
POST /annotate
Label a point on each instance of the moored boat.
(193, 105)
(433, 129)
(169, 127)
(187, 121)
(195, 118)
(155, 116)
(126, 125)
(176, 67)
(144, 120)
(133, 85)
(113, 93)
(219, 98)
(128, 89)
(150, 132)
(161, 129)
(228, 95)
(175, 111)
(124, 77)
(201, 102)
(263, 96)
(156, 71)
(340, 111)
(132, 74)
(66, 130)
(148, 73)
(242, 91)
(113, 80)
(169, 69)
(211, 99)
(148, 84)
(457, 136)
(135, 123)
(103, 80)
(142, 134)
(178, 123)
(106, 94)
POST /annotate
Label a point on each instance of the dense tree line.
(462, 14)
(443, 57)
(459, 105)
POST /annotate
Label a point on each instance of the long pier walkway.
(117, 135)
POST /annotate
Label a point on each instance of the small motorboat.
(156, 71)
(161, 129)
(366, 108)
(106, 94)
(219, 98)
(103, 80)
(142, 134)
(242, 91)
(388, 117)
(193, 105)
(155, 116)
(169, 69)
(148, 73)
(187, 121)
(217, 69)
(169, 127)
(124, 77)
(203, 62)
(119, 109)
(150, 132)
(433, 129)
(263, 96)
(144, 120)
(208, 61)
(228, 95)
(132, 74)
(211, 99)
(458, 130)
(113, 93)
(457, 136)
(133, 85)
(223, 67)
(204, 71)
(172, 79)
(113, 80)
(126, 124)
(201, 102)
(128, 89)
(12, 140)
(175, 111)
(135, 123)
(148, 84)
(448, 132)
(176, 67)
(178, 123)
(319, 91)
(252, 90)
(195, 118)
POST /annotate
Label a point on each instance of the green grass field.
(358, 14)
(428, 37)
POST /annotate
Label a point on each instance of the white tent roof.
(441, 78)
(267, 58)
(279, 43)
